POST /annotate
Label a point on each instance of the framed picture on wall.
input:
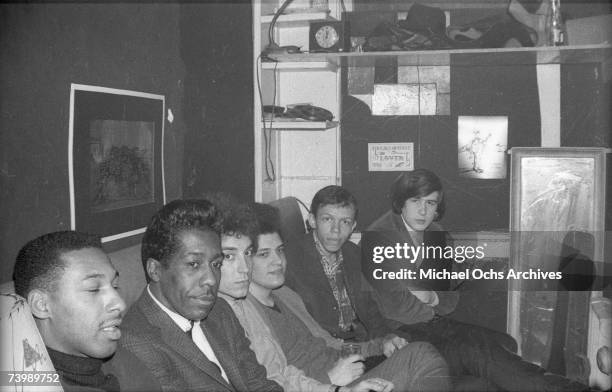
(115, 160)
(482, 143)
(557, 210)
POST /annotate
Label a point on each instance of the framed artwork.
(557, 210)
(115, 158)
(482, 143)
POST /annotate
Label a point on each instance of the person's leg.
(474, 350)
(420, 332)
(416, 367)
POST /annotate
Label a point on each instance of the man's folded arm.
(255, 373)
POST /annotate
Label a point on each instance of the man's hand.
(371, 384)
(428, 297)
(346, 370)
(391, 343)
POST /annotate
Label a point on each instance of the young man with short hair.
(297, 352)
(71, 288)
(324, 268)
(417, 202)
(190, 341)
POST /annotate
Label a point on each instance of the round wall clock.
(328, 36)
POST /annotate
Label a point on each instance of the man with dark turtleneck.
(71, 288)
(82, 373)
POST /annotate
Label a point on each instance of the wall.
(44, 48)
(472, 204)
(478, 91)
(218, 98)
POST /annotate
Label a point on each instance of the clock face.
(326, 36)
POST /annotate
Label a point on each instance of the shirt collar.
(229, 299)
(417, 237)
(331, 258)
(179, 320)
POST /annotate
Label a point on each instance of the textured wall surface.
(217, 47)
(472, 205)
(46, 47)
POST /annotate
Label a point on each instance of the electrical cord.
(267, 130)
(418, 119)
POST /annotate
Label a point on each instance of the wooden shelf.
(321, 65)
(297, 125)
(454, 57)
(297, 19)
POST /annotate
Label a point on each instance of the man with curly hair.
(190, 341)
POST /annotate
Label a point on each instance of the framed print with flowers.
(115, 160)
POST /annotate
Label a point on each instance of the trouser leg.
(416, 367)
(478, 351)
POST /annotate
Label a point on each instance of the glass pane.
(121, 164)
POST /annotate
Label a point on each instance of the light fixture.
(273, 47)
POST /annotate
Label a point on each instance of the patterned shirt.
(333, 268)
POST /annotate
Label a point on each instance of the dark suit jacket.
(306, 276)
(176, 361)
(393, 295)
(132, 374)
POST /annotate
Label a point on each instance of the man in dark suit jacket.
(306, 276)
(186, 342)
(422, 305)
(324, 269)
(396, 297)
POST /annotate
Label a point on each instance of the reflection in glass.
(121, 164)
(557, 200)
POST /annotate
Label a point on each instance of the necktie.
(188, 332)
(200, 341)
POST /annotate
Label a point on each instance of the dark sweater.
(302, 349)
(82, 373)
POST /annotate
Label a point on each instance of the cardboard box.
(589, 31)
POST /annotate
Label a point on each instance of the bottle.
(555, 25)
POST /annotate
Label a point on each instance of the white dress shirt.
(197, 334)
(428, 297)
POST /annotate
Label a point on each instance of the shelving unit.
(297, 18)
(315, 78)
(311, 65)
(294, 157)
(455, 57)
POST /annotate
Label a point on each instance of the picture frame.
(481, 146)
(557, 208)
(115, 160)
